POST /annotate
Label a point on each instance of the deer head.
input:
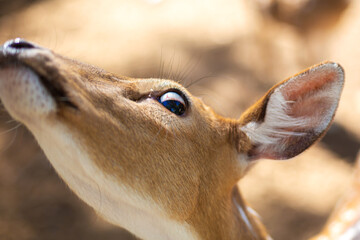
(149, 156)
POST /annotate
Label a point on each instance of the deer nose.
(18, 44)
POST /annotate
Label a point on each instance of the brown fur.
(187, 164)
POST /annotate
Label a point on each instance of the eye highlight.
(173, 102)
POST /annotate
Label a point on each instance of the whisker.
(11, 129)
(171, 64)
(100, 197)
(178, 71)
(200, 79)
(156, 135)
(174, 129)
(189, 68)
(11, 121)
(161, 64)
(12, 139)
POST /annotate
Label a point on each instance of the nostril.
(19, 44)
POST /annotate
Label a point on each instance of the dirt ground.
(229, 52)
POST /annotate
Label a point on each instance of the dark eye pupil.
(174, 106)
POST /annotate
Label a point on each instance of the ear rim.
(256, 113)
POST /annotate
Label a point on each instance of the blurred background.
(228, 52)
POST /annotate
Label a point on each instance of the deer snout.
(18, 44)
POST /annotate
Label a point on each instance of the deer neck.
(226, 218)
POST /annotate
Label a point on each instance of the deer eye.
(173, 102)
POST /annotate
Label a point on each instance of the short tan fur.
(145, 168)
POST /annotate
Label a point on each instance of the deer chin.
(23, 94)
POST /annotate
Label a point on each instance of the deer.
(150, 157)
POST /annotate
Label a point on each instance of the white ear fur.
(277, 121)
(297, 113)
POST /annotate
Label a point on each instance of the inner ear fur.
(293, 114)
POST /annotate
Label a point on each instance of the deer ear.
(293, 114)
